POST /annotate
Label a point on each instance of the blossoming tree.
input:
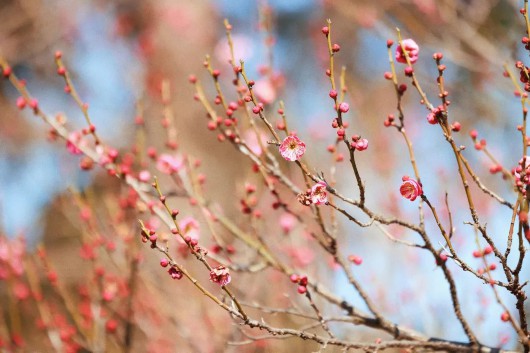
(242, 265)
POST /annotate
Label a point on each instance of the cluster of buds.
(486, 251)
(301, 281)
(436, 115)
(524, 75)
(149, 235)
(335, 125)
(389, 120)
(521, 174)
(479, 144)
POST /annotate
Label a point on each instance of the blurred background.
(118, 53)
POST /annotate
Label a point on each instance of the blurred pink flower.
(144, 176)
(75, 139)
(319, 195)
(152, 223)
(265, 91)
(21, 291)
(253, 143)
(243, 48)
(292, 148)
(190, 227)
(412, 50)
(302, 256)
(410, 189)
(220, 275)
(287, 222)
(177, 17)
(168, 164)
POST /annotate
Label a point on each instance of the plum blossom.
(361, 144)
(410, 189)
(412, 50)
(220, 275)
(174, 273)
(292, 148)
(169, 164)
(319, 195)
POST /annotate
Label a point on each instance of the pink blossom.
(517, 171)
(174, 273)
(144, 176)
(412, 50)
(254, 142)
(220, 275)
(292, 148)
(21, 291)
(410, 189)
(74, 140)
(244, 47)
(168, 164)
(104, 157)
(361, 144)
(190, 227)
(152, 223)
(287, 222)
(265, 91)
(109, 291)
(319, 195)
(301, 256)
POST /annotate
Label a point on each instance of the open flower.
(220, 275)
(319, 195)
(410, 189)
(292, 148)
(412, 50)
